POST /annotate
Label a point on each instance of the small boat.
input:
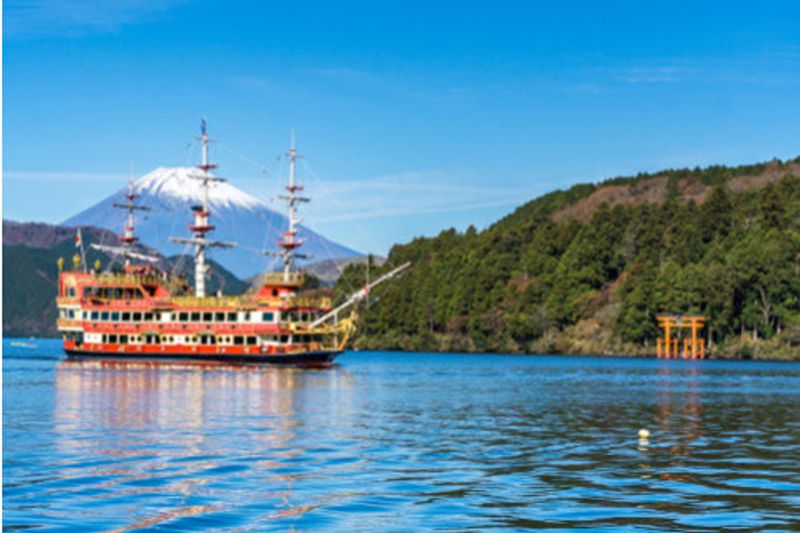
(23, 344)
(143, 313)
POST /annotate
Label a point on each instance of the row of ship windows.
(203, 340)
(107, 293)
(127, 293)
(134, 316)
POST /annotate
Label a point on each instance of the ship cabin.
(142, 307)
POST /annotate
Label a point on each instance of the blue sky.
(414, 116)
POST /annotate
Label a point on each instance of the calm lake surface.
(398, 442)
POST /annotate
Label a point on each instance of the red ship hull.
(311, 358)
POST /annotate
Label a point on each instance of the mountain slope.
(30, 274)
(328, 271)
(587, 270)
(238, 217)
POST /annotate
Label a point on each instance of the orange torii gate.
(693, 348)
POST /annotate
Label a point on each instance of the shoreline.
(582, 354)
(576, 353)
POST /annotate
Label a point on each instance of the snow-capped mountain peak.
(237, 216)
(178, 184)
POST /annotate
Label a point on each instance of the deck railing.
(294, 278)
(313, 303)
(246, 302)
(213, 301)
(134, 279)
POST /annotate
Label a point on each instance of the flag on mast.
(79, 244)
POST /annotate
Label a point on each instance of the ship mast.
(127, 238)
(290, 241)
(201, 214)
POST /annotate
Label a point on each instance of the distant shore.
(745, 348)
(741, 348)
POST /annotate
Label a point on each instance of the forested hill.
(588, 269)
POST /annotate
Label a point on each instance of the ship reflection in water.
(398, 441)
(183, 431)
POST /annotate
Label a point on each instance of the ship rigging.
(127, 239)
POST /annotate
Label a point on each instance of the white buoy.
(644, 433)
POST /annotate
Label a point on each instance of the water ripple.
(397, 442)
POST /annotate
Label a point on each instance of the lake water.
(399, 442)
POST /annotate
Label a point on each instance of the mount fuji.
(237, 216)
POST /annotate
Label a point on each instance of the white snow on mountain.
(237, 216)
(179, 184)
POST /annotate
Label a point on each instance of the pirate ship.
(144, 312)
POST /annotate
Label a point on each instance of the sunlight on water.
(387, 441)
